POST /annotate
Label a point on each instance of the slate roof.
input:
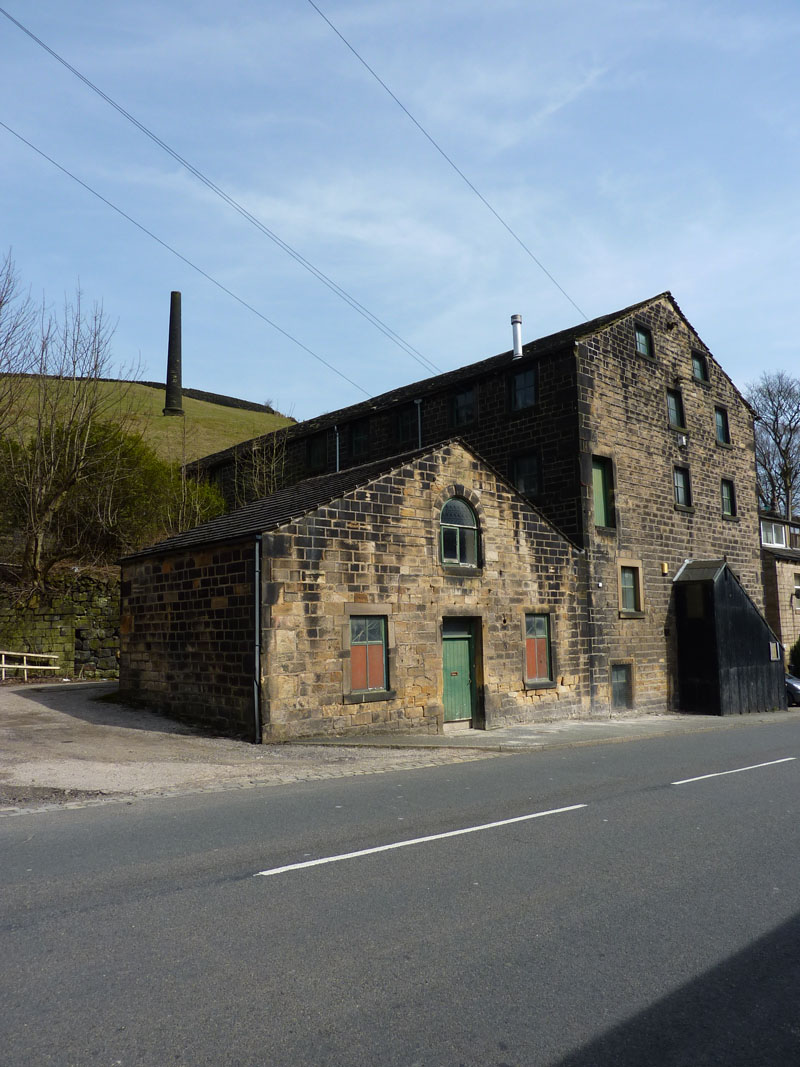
(441, 382)
(299, 499)
(281, 507)
(701, 570)
(790, 554)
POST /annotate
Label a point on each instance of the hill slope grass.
(205, 427)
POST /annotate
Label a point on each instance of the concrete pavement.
(70, 744)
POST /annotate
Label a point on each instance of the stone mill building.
(541, 534)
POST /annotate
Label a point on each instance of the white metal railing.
(26, 664)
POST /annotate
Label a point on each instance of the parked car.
(792, 689)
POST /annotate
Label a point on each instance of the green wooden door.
(458, 681)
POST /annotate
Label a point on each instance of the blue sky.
(633, 145)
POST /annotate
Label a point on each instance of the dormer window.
(459, 533)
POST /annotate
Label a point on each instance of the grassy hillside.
(204, 427)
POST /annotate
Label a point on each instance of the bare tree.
(259, 467)
(775, 398)
(71, 428)
(17, 318)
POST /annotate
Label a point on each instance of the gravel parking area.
(60, 744)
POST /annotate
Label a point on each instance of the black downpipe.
(257, 641)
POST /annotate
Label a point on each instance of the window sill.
(730, 518)
(456, 570)
(606, 531)
(631, 615)
(679, 429)
(724, 444)
(545, 683)
(701, 381)
(688, 509)
(368, 696)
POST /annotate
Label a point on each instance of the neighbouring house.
(780, 561)
(631, 450)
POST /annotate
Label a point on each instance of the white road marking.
(414, 841)
(736, 770)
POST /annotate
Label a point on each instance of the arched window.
(459, 536)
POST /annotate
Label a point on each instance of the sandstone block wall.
(187, 635)
(376, 551)
(624, 417)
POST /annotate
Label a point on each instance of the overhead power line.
(373, 319)
(184, 259)
(447, 158)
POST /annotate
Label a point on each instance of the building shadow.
(742, 1013)
(99, 704)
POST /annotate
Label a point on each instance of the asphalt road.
(651, 923)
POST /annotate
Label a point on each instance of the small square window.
(464, 407)
(699, 367)
(523, 389)
(723, 431)
(728, 498)
(538, 659)
(603, 491)
(368, 653)
(682, 487)
(644, 341)
(526, 474)
(677, 419)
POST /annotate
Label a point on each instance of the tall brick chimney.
(174, 395)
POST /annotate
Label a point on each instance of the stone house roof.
(442, 382)
(299, 499)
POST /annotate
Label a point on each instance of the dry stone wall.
(76, 618)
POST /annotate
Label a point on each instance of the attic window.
(699, 367)
(644, 341)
